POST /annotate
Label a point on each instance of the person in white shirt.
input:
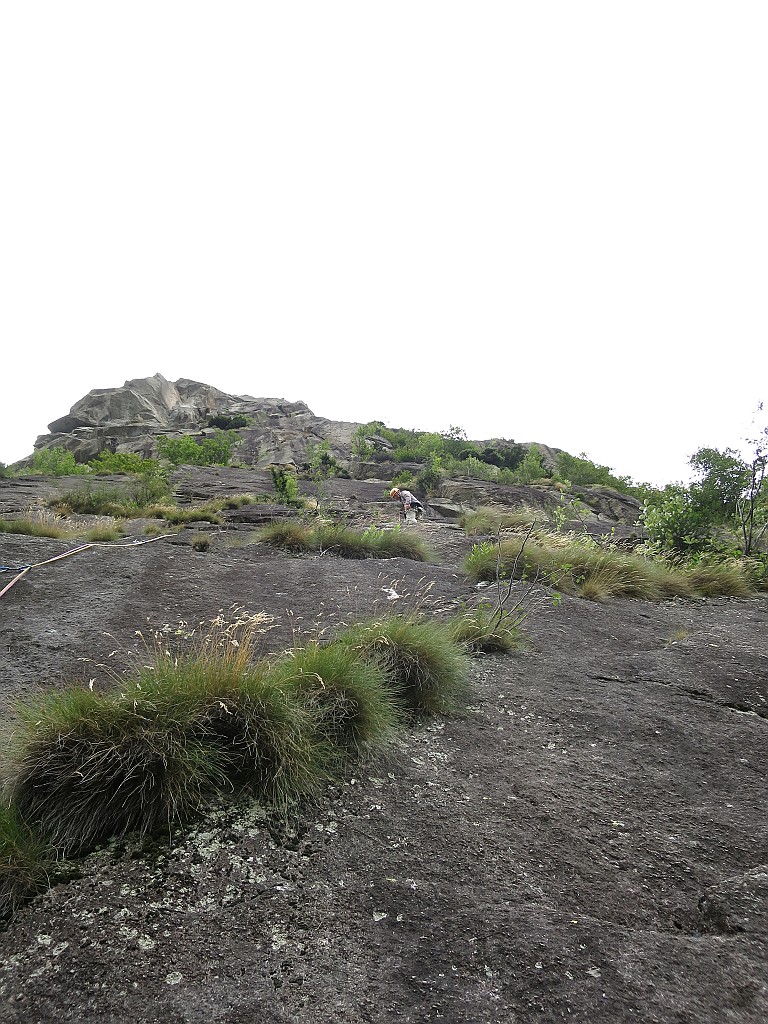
(409, 503)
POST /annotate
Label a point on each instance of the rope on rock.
(22, 570)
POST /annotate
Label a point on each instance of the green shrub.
(427, 669)
(675, 522)
(430, 477)
(207, 451)
(56, 462)
(583, 471)
(286, 487)
(492, 520)
(228, 422)
(531, 468)
(117, 463)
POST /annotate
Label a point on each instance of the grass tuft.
(93, 767)
(484, 631)
(427, 669)
(349, 697)
(25, 862)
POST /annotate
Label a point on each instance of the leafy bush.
(430, 477)
(531, 468)
(583, 471)
(676, 521)
(56, 462)
(286, 487)
(124, 462)
(228, 422)
(207, 451)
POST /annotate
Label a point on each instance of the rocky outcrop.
(133, 417)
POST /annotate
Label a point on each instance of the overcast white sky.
(546, 221)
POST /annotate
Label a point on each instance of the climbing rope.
(22, 570)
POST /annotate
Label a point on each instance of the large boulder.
(133, 417)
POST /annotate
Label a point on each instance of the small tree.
(675, 522)
(286, 487)
(362, 449)
(531, 468)
(751, 505)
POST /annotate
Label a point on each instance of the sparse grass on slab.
(37, 524)
(487, 519)
(346, 541)
(486, 630)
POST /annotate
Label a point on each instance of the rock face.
(133, 417)
(282, 433)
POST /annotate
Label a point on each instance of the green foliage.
(532, 467)
(56, 462)
(345, 541)
(472, 467)
(25, 862)
(351, 703)
(228, 422)
(322, 466)
(508, 456)
(362, 449)
(582, 471)
(427, 669)
(3, 471)
(723, 478)
(487, 630)
(207, 451)
(677, 521)
(430, 477)
(116, 463)
(286, 487)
